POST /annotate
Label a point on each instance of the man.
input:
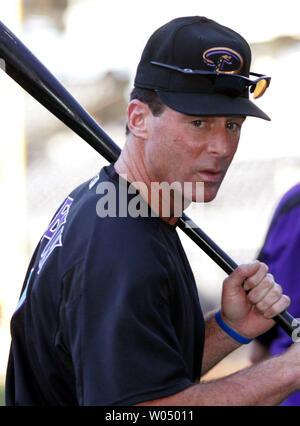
(109, 313)
(280, 252)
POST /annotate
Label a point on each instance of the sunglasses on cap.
(234, 83)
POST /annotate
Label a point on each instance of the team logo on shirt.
(55, 231)
(223, 60)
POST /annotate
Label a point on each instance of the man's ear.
(138, 115)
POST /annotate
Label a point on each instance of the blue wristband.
(236, 336)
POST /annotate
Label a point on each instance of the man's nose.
(219, 144)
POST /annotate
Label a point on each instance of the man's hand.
(251, 298)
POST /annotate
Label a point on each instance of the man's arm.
(217, 343)
(250, 299)
(267, 383)
(258, 352)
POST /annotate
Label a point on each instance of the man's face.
(183, 148)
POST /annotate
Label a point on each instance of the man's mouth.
(210, 175)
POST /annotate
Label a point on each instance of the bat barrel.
(25, 68)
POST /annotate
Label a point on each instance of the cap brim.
(203, 104)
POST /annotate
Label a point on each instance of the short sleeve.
(123, 343)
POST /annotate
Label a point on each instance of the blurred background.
(93, 47)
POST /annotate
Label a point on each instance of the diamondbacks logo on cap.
(223, 60)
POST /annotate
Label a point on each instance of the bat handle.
(289, 324)
(285, 320)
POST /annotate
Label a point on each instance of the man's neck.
(131, 166)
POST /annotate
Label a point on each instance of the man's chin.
(207, 195)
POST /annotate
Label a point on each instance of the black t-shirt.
(109, 312)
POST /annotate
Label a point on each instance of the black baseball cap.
(199, 67)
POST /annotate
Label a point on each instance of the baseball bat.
(23, 67)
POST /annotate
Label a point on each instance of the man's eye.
(198, 123)
(235, 127)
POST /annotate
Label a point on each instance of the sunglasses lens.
(260, 88)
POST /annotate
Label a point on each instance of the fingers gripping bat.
(22, 66)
